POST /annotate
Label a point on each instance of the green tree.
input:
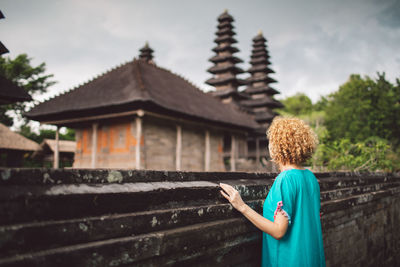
(321, 104)
(362, 108)
(32, 78)
(370, 155)
(297, 105)
(26, 131)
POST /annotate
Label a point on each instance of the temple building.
(14, 148)
(45, 154)
(142, 116)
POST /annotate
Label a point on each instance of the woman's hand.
(233, 196)
(277, 228)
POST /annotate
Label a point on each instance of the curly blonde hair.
(291, 141)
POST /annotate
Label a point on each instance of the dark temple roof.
(10, 92)
(3, 49)
(139, 82)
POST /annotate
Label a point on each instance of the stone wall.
(160, 218)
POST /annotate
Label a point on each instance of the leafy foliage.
(371, 155)
(32, 78)
(364, 107)
(358, 126)
(297, 104)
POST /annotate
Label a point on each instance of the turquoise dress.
(297, 193)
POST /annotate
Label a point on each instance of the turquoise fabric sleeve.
(283, 192)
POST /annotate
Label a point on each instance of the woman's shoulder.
(286, 176)
(293, 174)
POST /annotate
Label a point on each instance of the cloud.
(314, 45)
(390, 15)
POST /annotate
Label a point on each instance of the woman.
(290, 223)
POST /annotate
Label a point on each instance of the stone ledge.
(72, 176)
(189, 238)
(21, 176)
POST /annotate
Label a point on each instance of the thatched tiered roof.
(140, 85)
(10, 140)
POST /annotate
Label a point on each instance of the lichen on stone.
(154, 222)
(174, 217)
(200, 212)
(6, 174)
(47, 178)
(83, 227)
(114, 177)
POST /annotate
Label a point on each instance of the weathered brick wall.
(360, 222)
(116, 144)
(193, 148)
(159, 144)
(216, 151)
(150, 218)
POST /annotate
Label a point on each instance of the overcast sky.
(314, 45)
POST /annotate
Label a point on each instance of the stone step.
(29, 203)
(355, 190)
(189, 198)
(20, 204)
(332, 183)
(190, 240)
(50, 234)
(185, 243)
(22, 237)
(351, 201)
(243, 250)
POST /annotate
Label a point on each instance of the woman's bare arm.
(276, 229)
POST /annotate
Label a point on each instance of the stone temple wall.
(155, 218)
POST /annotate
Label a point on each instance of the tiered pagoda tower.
(225, 70)
(262, 102)
(146, 53)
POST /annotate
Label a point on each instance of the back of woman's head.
(291, 141)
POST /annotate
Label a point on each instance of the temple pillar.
(138, 141)
(94, 144)
(56, 155)
(178, 155)
(257, 152)
(207, 152)
(233, 153)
